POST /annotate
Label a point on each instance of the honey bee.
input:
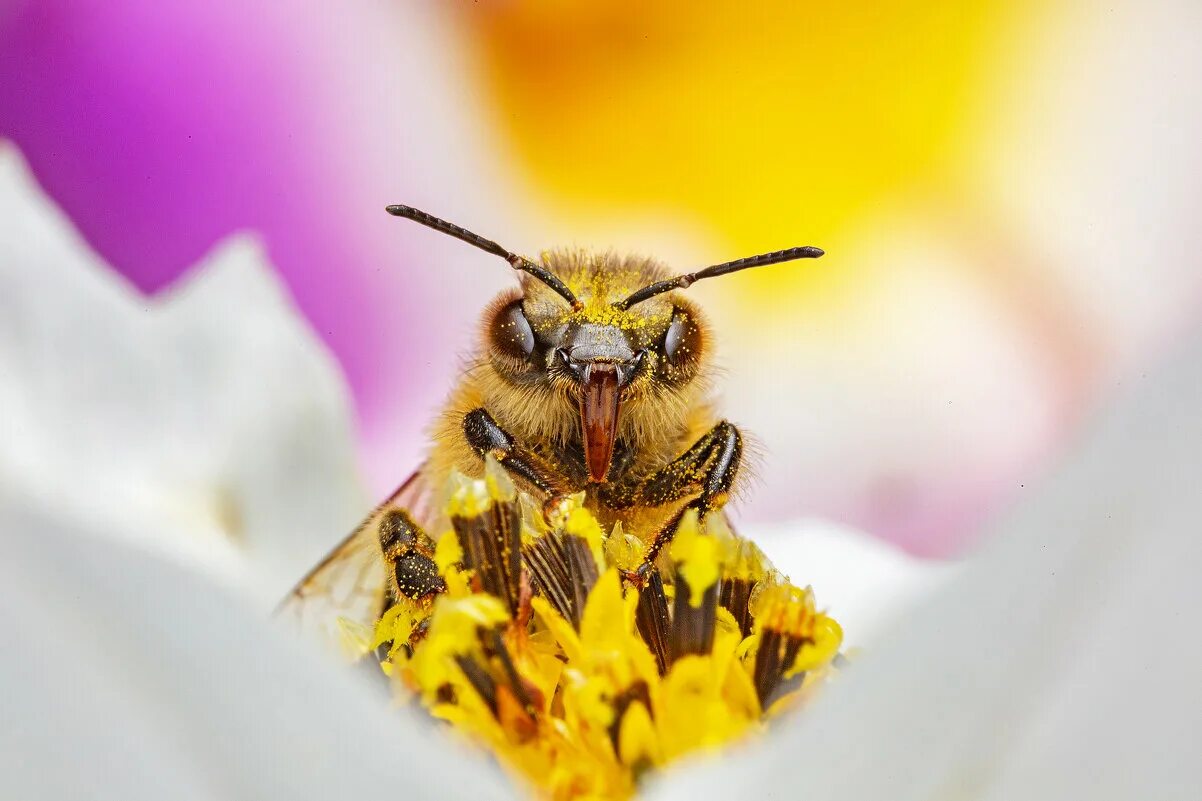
(591, 377)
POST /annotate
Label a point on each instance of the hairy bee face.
(533, 337)
(600, 355)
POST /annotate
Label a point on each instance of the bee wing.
(729, 523)
(350, 583)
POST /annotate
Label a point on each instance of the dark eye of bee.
(511, 331)
(675, 335)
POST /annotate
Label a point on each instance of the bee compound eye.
(512, 332)
(674, 335)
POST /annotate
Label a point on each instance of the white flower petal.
(210, 428)
(212, 420)
(123, 676)
(864, 582)
(1058, 664)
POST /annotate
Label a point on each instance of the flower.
(570, 667)
(136, 645)
(1054, 665)
(164, 462)
(208, 420)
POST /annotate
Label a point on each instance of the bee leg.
(488, 438)
(709, 466)
(409, 552)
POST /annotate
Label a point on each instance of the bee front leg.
(487, 438)
(708, 468)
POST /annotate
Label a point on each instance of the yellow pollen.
(576, 684)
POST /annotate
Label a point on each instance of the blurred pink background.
(1008, 197)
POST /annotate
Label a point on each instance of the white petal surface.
(864, 582)
(212, 420)
(123, 676)
(1059, 664)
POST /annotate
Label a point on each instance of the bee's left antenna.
(488, 246)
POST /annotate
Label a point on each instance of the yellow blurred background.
(911, 381)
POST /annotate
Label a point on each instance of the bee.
(592, 376)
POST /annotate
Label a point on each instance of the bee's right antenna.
(688, 279)
(488, 246)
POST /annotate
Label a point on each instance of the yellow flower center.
(589, 668)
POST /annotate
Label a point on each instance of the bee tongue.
(599, 417)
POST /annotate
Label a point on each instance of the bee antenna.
(688, 279)
(488, 246)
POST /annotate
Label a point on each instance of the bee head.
(602, 330)
(598, 355)
(533, 335)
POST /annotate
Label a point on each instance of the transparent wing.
(729, 523)
(349, 584)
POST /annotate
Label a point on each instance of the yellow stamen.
(585, 713)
